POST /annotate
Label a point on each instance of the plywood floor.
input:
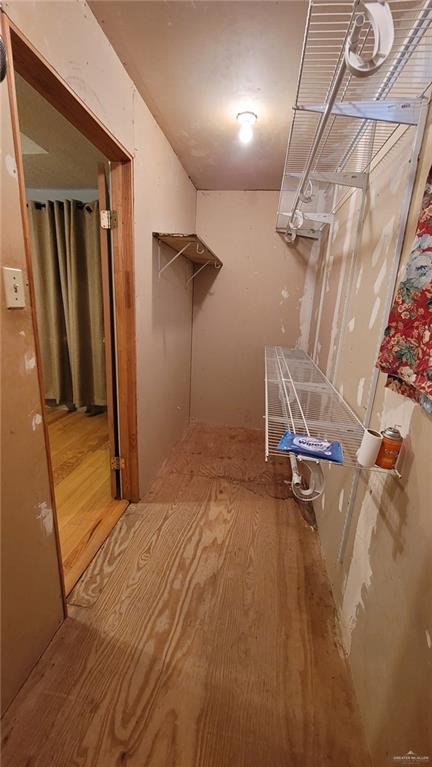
(86, 511)
(202, 635)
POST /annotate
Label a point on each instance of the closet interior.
(217, 382)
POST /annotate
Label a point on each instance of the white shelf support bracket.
(311, 234)
(399, 111)
(303, 217)
(339, 178)
(171, 261)
(302, 224)
(318, 218)
(197, 271)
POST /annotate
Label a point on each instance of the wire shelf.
(351, 143)
(300, 399)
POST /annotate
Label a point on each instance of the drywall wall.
(31, 600)
(165, 201)
(262, 296)
(383, 586)
(69, 37)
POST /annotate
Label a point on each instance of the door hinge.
(108, 219)
(117, 463)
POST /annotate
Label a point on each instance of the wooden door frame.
(33, 67)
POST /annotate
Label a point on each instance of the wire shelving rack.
(367, 110)
(300, 399)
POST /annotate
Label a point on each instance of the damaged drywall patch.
(36, 421)
(285, 296)
(428, 639)
(351, 325)
(10, 165)
(360, 570)
(359, 279)
(396, 409)
(46, 518)
(360, 389)
(346, 247)
(341, 499)
(29, 361)
(374, 313)
(307, 299)
(380, 278)
(383, 241)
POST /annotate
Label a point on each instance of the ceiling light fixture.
(246, 120)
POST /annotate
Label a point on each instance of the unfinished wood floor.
(202, 635)
(86, 511)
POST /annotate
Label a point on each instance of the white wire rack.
(353, 137)
(299, 398)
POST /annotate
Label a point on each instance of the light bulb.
(246, 120)
(245, 134)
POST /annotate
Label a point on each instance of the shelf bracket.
(400, 111)
(194, 273)
(174, 258)
(318, 218)
(311, 234)
(340, 178)
(304, 219)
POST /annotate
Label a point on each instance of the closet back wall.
(262, 296)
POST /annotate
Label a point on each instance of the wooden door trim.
(124, 304)
(108, 307)
(39, 73)
(33, 67)
(26, 235)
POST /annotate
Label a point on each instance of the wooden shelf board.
(178, 241)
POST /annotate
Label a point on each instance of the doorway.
(67, 187)
(67, 167)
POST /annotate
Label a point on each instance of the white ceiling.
(198, 63)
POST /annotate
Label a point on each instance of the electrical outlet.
(14, 287)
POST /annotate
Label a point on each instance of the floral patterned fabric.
(406, 350)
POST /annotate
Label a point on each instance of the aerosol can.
(390, 448)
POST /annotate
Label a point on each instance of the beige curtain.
(68, 286)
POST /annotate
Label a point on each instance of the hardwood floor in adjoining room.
(202, 635)
(86, 511)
